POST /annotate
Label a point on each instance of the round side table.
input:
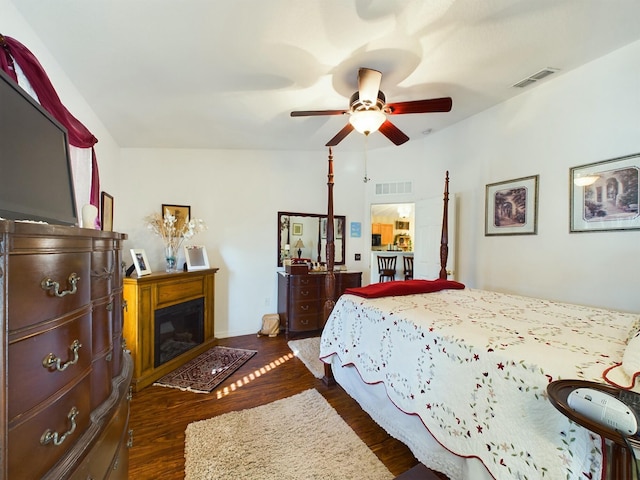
(621, 458)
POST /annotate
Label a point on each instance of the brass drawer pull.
(52, 361)
(48, 284)
(53, 437)
(130, 441)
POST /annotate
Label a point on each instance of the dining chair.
(387, 267)
(408, 267)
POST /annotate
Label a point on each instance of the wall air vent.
(394, 188)
(545, 72)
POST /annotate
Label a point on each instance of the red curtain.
(79, 135)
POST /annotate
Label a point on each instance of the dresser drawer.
(32, 303)
(106, 452)
(102, 325)
(101, 375)
(347, 280)
(116, 359)
(300, 323)
(28, 457)
(120, 467)
(305, 280)
(304, 307)
(103, 273)
(305, 293)
(30, 382)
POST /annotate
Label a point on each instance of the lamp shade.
(299, 244)
(367, 121)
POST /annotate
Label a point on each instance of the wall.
(584, 116)
(238, 194)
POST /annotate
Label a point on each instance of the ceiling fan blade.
(368, 85)
(346, 130)
(393, 133)
(443, 104)
(314, 113)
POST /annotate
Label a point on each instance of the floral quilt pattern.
(474, 365)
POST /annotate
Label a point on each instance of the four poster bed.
(459, 375)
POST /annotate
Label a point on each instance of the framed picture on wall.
(297, 229)
(604, 195)
(181, 212)
(339, 228)
(512, 207)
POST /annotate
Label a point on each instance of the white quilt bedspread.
(474, 365)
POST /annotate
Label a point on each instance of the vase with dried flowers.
(173, 234)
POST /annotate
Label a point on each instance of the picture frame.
(106, 212)
(356, 229)
(338, 228)
(181, 212)
(196, 256)
(604, 195)
(511, 207)
(140, 261)
(297, 229)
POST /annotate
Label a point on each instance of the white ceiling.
(225, 74)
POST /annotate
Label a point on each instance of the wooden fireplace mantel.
(148, 293)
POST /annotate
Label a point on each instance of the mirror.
(304, 235)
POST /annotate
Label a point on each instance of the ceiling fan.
(368, 110)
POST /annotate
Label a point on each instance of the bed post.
(444, 239)
(330, 278)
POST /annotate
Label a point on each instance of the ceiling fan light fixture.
(367, 121)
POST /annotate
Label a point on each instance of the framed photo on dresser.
(140, 261)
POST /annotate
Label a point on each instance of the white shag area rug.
(300, 437)
(308, 350)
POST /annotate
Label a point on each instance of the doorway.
(392, 230)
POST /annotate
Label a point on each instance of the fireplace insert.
(178, 328)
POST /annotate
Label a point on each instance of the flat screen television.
(36, 182)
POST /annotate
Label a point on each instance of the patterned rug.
(206, 371)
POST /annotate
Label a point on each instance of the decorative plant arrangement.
(173, 234)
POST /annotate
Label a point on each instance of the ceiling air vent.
(394, 188)
(545, 72)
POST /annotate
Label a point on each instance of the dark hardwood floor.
(159, 416)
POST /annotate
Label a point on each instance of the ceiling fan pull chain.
(366, 153)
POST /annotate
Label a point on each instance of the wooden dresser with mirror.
(65, 369)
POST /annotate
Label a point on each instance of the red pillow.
(403, 287)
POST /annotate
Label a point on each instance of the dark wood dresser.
(65, 372)
(301, 298)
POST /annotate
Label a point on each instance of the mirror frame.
(283, 223)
